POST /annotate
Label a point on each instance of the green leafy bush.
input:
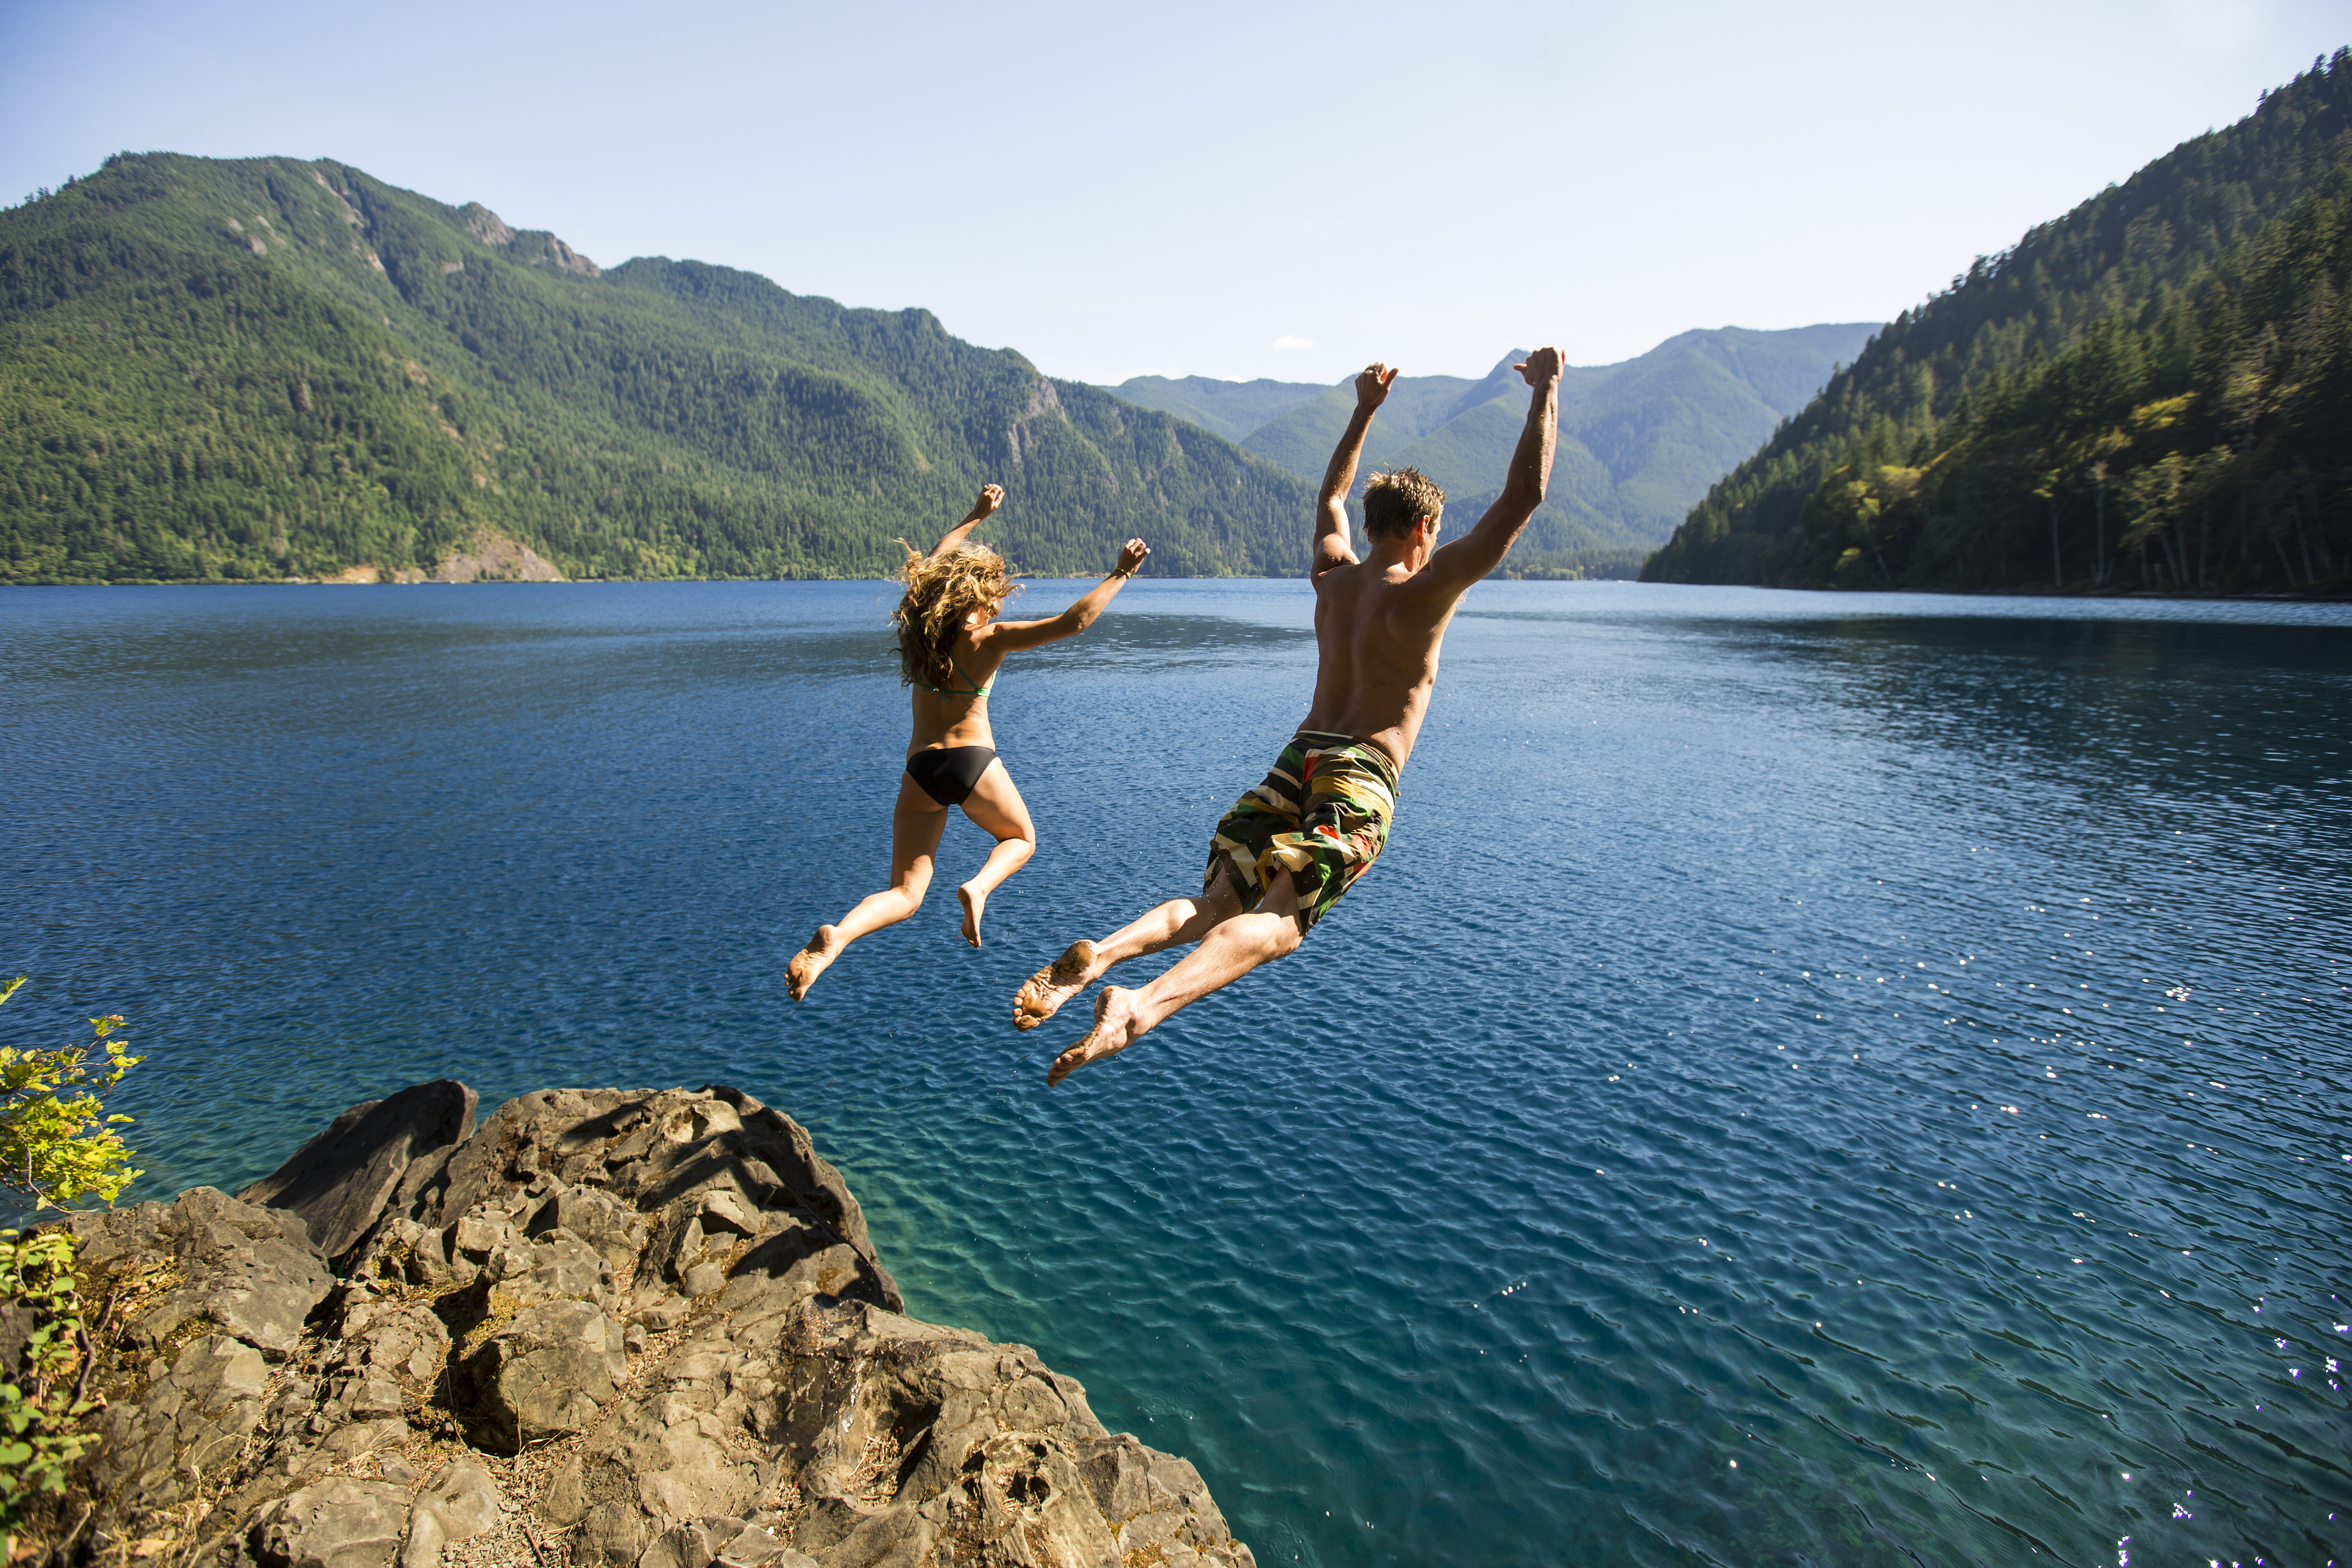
(57, 1146)
(39, 1403)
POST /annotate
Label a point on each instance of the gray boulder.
(465, 1500)
(382, 1359)
(339, 1523)
(18, 1322)
(340, 1180)
(546, 1373)
(251, 1272)
(460, 1506)
(615, 1229)
(196, 1412)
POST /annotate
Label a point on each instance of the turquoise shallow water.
(1814, 1079)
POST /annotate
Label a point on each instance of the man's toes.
(1034, 1002)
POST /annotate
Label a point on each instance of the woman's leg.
(915, 829)
(998, 809)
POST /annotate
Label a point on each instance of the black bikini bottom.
(948, 774)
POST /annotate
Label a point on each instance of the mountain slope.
(2020, 427)
(254, 368)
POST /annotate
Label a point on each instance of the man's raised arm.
(1331, 547)
(1481, 550)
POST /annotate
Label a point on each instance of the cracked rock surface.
(608, 1329)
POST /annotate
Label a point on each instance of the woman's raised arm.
(1012, 636)
(990, 498)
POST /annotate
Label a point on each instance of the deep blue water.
(1825, 1079)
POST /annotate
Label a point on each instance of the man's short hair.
(1397, 498)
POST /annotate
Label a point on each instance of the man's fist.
(1132, 555)
(1543, 364)
(1373, 384)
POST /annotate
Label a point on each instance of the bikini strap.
(977, 688)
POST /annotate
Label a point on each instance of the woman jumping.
(950, 646)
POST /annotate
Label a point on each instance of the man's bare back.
(1292, 846)
(1379, 622)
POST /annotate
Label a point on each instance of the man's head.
(1396, 500)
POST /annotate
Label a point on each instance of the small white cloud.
(1287, 343)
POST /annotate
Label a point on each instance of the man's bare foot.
(973, 903)
(810, 962)
(1056, 983)
(1116, 1028)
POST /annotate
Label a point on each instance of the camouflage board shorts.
(1322, 815)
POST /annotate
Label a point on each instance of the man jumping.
(1322, 815)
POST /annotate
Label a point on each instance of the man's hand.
(1132, 555)
(1543, 364)
(1372, 387)
(990, 498)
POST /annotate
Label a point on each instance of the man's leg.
(1175, 923)
(1231, 948)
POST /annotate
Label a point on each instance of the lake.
(1814, 1079)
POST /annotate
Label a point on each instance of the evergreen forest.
(2153, 392)
(263, 368)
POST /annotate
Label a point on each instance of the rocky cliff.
(643, 1330)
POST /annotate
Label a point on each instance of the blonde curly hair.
(941, 590)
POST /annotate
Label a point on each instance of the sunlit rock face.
(637, 1329)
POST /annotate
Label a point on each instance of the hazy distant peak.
(1509, 363)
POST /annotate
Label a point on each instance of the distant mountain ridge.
(224, 369)
(1641, 440)
(2151, 392)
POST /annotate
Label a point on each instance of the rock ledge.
(634, 1329)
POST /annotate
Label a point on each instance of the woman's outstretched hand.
(990, 498)
(1132, 555)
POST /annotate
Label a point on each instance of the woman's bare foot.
(973, 903)
(1116, 1028)
(810, 962)
(1056, 983)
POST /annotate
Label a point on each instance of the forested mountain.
(1640, 440)
(256, 368)
(2155, 390)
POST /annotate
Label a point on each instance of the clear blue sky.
(1231, 190)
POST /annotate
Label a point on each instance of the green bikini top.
(975, 687)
